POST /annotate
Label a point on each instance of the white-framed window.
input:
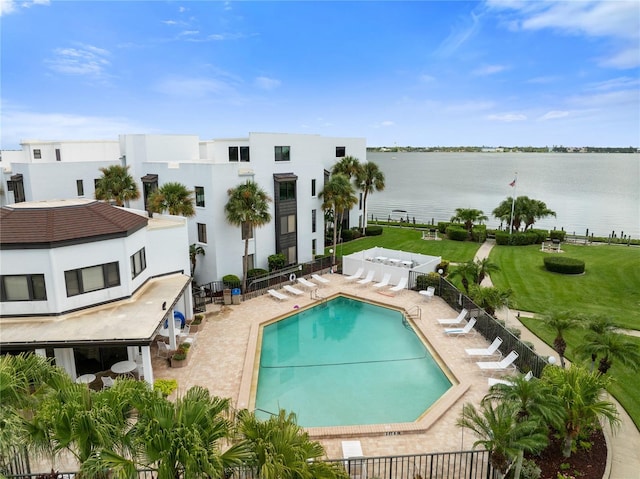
(93, 278)
(138, 263)
(23, 287)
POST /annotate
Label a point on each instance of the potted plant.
(165, 386)
(197, 323)
(180, 357)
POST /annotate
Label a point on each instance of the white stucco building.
(89, 283)
(291, 168)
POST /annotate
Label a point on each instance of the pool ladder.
(414, 312)
(318, 297)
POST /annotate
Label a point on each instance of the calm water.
(596, 191)
(347, 362)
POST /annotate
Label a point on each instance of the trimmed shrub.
(231, 281)
(425, 280)
(515, 239)
(563, 265)
(442, 226)
(351, 234)
(558, 234)
(252, 273)
(457, 233)
(479, 233)
(373, 230)
(276, 261)
(541, 235)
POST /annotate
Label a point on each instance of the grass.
(406, 239)
(610, 285)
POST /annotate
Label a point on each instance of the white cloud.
(469, 106)
(489, 70)
(507, 117)
(194, 87)
(427, 78)
(459, 35)
(616, 84)
(266, 83)
(552, 115)
(543, 80)
(83, 60)
(12, 6)
(624, 59)
(187, 33)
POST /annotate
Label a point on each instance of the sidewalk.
(624, 443)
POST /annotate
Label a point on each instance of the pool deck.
(225, 349)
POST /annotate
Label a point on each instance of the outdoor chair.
(107, 381)
(401, 285)
(384, 282)
(506, 363)
(457, 320)
(320, 279)
(461, 331)
(279, 296)
(490, 351)
(356, 275)
(293, 290)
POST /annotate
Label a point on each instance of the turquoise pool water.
(346, 362)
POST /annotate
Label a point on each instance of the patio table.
(124, 367)
(86, 378)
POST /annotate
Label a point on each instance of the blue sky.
(408, 73)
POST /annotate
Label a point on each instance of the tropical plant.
(580, 393)
(560, 322)
(609, 346)
(369, 178)
(282, 449)
(467, 272)
(490, 298)
(525, 210)
(485, 266)
(468, 216)
(337, 195)
(501, 432)
(194, 251)
(116, 184)
(348, 166)
(248, 206)
(173, 197)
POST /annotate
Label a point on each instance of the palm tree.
(560, 323)
(485, 266)
(533, 211)
(610, 346)
(468, 216)
(116, 184)
(525, 210)
(248, 206)
(194, 251)
(173, 197)
(282, 449)
(467, 272)
(490, 298)
(348, 166)
(596, 325)
(369, 178)
(337, 195)
(580, 392)
(500, 431)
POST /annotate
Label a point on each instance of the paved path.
(624, 443)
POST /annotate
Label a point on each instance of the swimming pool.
(346, 362)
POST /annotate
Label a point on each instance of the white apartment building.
(291, 168)
(89, 283)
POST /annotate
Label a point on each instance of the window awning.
(149, 179)
(285, 177)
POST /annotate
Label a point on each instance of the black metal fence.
(442, 465)
(488, 326)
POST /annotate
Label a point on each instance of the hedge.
(558, 234)
(425, 280)
(516, 239)
(564, 265)
(479, 233)
(373, 230)
(231, 281)
(457, 233)
(252, 273)
(442, 226)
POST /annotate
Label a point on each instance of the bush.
(351, 234)
(442, 226)
(563, 265)
(541, 235)
(252, 273)
(231, 281)
(444, 266)
(197, 319)
(558, 234)
(479, 233)
(516, 239)
(277, 261)
(373, 230)
(530, 470)
(165, 386)
(457, 233)
(425, 280)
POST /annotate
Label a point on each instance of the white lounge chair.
(490, 351)
(402, 284)
(293, 290)
(384, 282)
(320, 279)
(506, 363)
(277, 295)
(367, 278)
(506, 382)
(306, 283)
(428, 293)
(461, 331)
(356, 275)
(354, 463)
(458, 320)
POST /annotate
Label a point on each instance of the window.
(282, 153)
(341, 151)
(247, 231)
(288, 224)
(360, 201)
(17, 186)
(199, 196)
(202, 233)
(290, 254)
(313, 187)
(149, 185)
(244, 153)
(80, 187)
(233, 153)
(24, 287)
(313, 221)
(138, 263)
(250, 262)
(37, 154)
(287, 190)
(58, 157)
(93, 278)
(314, 246)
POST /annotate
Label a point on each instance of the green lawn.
(610, 285)
(405, 239)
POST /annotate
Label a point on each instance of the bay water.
(594, 191)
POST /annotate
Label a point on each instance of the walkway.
(624, 443)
